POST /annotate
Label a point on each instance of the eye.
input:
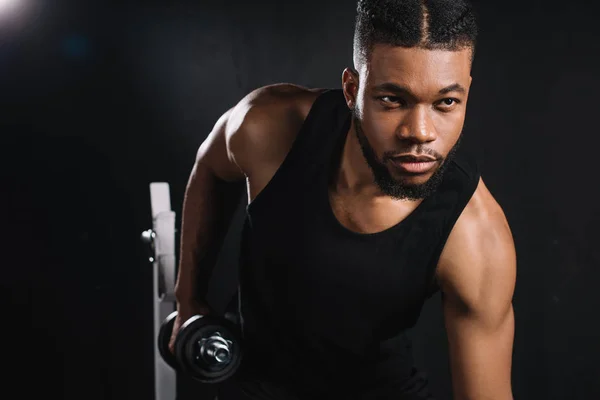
(448, 103)
(390, 100)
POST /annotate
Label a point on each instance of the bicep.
(478, 312)
(480, 352)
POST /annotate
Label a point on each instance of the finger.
(172, 345)
(174, 335)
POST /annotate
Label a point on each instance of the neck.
(353, 176)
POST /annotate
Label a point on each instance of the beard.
(399, 188)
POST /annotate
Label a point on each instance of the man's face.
(410, 102)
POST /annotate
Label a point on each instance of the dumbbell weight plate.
(187, 348)
(164, 336)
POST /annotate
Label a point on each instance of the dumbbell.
(207, 348)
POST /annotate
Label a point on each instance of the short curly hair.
(428, 24)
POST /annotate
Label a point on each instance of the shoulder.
(264, 124)
(478, 263)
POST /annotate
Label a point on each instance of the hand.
(186, 310)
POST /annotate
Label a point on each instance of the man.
(361, 206)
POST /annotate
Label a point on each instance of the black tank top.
(325, 310)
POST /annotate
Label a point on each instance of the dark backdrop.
(99, 100)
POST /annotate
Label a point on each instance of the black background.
(99, 100)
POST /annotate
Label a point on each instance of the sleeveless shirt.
(325, 310)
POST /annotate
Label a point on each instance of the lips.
(410, 158)
(414, 164)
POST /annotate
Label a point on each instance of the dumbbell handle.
(215, 350)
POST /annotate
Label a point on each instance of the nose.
(417, 126)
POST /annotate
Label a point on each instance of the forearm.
(208, 207)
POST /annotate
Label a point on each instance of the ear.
(350, 86)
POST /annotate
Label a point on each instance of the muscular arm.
(246, 146)
(213, 190)
(478, 272)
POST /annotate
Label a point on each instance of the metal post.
(162, 256)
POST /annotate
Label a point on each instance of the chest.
(368, 215)
(315, 263)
